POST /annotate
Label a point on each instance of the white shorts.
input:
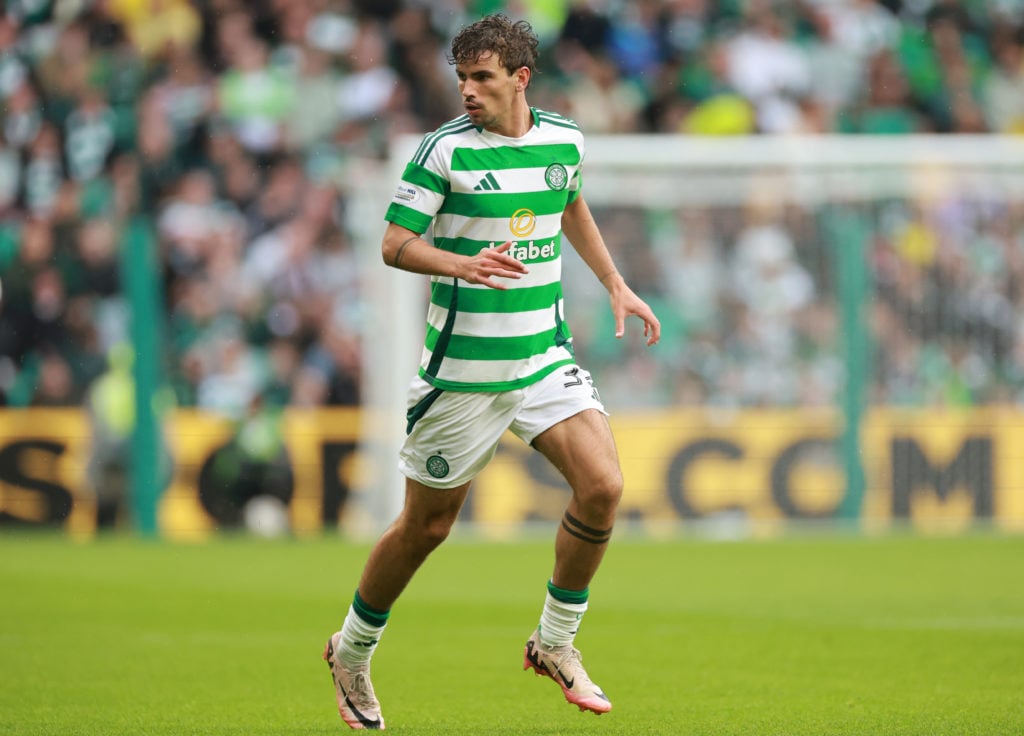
(452, 435)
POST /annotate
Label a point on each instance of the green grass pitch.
(808, 634)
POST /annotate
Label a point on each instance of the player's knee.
(423, 533)
(435, 530)
(604, 493)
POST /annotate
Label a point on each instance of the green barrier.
(142, 285)
(848, 234)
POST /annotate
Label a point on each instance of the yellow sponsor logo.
(523, 222)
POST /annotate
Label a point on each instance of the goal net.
(823, 300)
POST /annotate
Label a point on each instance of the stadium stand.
(231, 126)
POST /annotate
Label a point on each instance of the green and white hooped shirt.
(481, 189)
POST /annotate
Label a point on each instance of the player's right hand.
(491, 264)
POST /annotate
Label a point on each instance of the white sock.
(358, 640)
(559, 621)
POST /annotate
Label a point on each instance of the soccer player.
(500, 185)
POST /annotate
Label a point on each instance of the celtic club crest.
(556, 177)
(437, 466)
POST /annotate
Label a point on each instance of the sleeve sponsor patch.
(406, 193)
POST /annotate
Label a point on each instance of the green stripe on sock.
(368, 613)
(568, 596)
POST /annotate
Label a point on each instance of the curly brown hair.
(515, 43)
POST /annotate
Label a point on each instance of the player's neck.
(517, 124)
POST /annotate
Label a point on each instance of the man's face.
(488, 91)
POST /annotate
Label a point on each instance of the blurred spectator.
(251, 467)
(887, 105)
(367, 90)
(43, 172)
(770, 288)
(420, 58)
(253, 96)
(24, 116)
(861, 28)
(1003, 91)
(89, 136)
(587, 26)
(278, 199)
(720, 109)
(54, 386)
(634, 41)
(157, 26)
(601, 101)
(768, 68)
(190, 222)
(231, 377)
(944, 63)
(184, 96)
(110, 407)
(14, 71)
(686, 26)
(316, 83)
(159, 159)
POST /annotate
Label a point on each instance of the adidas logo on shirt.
(487, 184)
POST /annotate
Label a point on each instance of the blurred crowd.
(233, 128)
(752, 305)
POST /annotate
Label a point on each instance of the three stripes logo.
(487, 184)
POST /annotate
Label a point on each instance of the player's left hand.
(626, 303)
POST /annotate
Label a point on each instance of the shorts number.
(574, 373)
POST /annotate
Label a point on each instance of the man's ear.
(522, 75)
